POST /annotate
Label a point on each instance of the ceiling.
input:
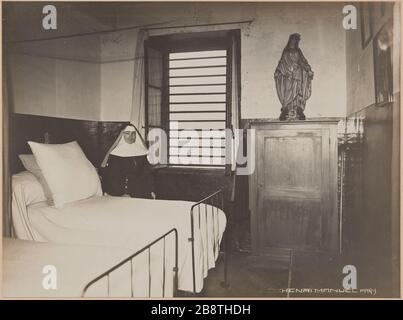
(23, 21)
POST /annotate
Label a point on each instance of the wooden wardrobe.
(293, 190)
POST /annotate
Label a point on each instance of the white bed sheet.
(76, 266)
(129, 223)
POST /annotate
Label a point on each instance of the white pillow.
(29, 163)
(27, 186)
(69, 174)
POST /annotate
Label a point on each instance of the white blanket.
(127, 223)
(71, 269)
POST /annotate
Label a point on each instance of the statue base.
(292, 114)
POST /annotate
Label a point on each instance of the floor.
(305, 274)
(295, 274)
(248, 276)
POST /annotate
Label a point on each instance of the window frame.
(190, 42)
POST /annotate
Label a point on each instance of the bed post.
(176, 267)
(191, 239)
(224, 283)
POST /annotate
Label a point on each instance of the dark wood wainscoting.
(190, 184)
(94, 137)
(377, 227)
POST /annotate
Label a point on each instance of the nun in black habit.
(125, 168)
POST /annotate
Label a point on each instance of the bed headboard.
(94, 137)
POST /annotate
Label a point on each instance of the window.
(191, 100)
(197, 85)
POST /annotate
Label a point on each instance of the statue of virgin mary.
(293, 78)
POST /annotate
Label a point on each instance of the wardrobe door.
(295, 188)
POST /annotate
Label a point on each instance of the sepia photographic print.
(201, 150)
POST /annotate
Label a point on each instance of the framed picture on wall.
(383, 64)
(366, 23)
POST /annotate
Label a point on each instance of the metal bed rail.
(129, 259)
(200, 210)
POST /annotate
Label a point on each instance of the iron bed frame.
(147, 248)
(200, 210)
(215, 201)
